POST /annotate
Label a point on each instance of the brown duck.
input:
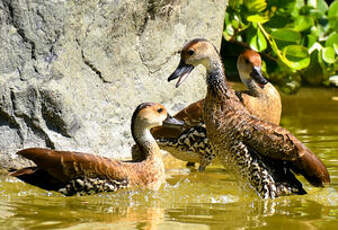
(74, 172)
(190, 143)
(259, 152)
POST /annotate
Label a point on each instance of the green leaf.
(274, 47)
(328, 55)
(278, 21)
(228, 32)
(294, 7)
(235, 23)
(286, 35)
(333, 10)
(333, 15)
(302, 23)
(227, 19)
(281, 4)
(257, 18)
(311, 39)
(256, 40)
(255, 5)
(296, 51)
(335, 47)
(333, 22)
(322, 6)
(234, 4)
(332, 39)
(297, 56)
(315, 13)
(262, 44)
(305, 10)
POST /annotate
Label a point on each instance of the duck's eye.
(191, 52)
(160, 110)
(247, 61)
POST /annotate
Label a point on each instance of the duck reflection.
(78, 213)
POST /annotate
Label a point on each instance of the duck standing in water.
(190, 143)
(73, 172)
(259, 152)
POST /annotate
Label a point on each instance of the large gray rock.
(72, 72)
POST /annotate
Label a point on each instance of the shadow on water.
(192, 200)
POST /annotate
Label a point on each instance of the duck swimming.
(190, 142)
(262, 153)
(81, 173)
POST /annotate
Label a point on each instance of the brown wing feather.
(309, 165)
(278, 143)
(191, 115)
(65, 165)
(168, 132)
(23, 171)
(38, 177)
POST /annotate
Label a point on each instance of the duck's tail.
(312, 168)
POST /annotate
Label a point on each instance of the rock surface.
(72, 72)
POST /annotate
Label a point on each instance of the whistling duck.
(82, 173)
(190, 143)
(259, 152)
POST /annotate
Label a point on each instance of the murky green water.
(191, 200)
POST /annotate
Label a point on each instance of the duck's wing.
(191, 115)
(64, 165)
(285, 181)
(278, 143)
(38, 177)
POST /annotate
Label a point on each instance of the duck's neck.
(145, 141)
(216, 79)
(253, 87)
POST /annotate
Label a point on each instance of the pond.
(193, 200)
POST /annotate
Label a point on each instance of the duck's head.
(195, 52)
(150, 115)
(249, 66)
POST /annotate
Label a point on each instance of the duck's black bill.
(182, 71)
(172, 122)
(256, 74)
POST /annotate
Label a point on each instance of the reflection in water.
(192, 200)
(64, 212)
(305, 214)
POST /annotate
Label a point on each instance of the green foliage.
(297, 34)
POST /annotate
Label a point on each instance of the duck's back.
(267, 105)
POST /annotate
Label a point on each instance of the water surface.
(192, 200)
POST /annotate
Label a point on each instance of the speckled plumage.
(263, 102)
(192, 145)
(269, 177)
(261, 153)
(87, 186)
